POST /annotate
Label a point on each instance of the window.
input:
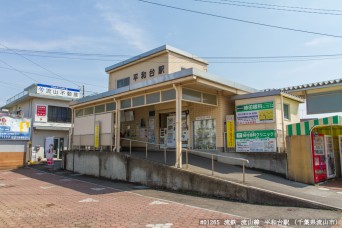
(152, 98)
(79, 112)
(110, 107)
(59, 114)
(99, 108)
(191, 95)
(209, 99)
(126, 103)
(286, 111)
(122, 82)
(89, 111)
(168, 95)
(138, 101)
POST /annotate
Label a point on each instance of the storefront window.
(205, 134)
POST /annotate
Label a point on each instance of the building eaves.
(166, 78)
(267, 93)
(314, 85)
(152, 52)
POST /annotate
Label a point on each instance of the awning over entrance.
(304, 128)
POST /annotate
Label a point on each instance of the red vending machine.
(319, 158)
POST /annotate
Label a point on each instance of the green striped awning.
(303, 128)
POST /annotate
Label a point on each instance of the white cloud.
(320, 41)
(129, 30)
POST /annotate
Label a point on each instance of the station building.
(167, 97)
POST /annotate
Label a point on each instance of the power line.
(269, 8)
(241, 20)
(41, 75)
(51, 72)
(13, 68)
(284, 6)
(205, 57)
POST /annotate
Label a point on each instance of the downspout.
(283, 121)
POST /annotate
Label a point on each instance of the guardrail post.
(130, 147)
(212, 165)
(186, 158)
(243, 171)
(165, 155)
(146, 151)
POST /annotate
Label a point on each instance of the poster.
(14, 128)
(256, 141)
(230, 123)
(255, 113)
(151, 126)
(49, 146)
(41, 113)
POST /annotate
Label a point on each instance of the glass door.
(330, 156)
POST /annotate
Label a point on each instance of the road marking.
(97, 189)
(166, 225)
(324, 189)
(24, 178)
(2, 185)
(88, 200)
(47, 187)
(157, 202)
(339, 192)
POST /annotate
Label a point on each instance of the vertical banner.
(97, 135)
(49, 145)
(230, 123)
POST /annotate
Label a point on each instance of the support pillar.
(178, 129)
(117, 125)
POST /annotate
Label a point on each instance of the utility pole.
(83, 90)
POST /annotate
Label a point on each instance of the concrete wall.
(122, 167)
(272, 162)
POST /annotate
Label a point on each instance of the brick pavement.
(31, 198)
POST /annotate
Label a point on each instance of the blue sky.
(130, 27)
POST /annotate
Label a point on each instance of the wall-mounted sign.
(256, 141)
(41, 113)
(203, 118)
(255, 113)
(151, 73)
(14, 128)
(230, 123)
(58, 91)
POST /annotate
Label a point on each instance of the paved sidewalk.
(31, 198)
(324, 194)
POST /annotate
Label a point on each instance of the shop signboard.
(230, 123)
(255, 113)
(58, 91)
(14, 128)
(97, 135)
(41, 113)
(256, 141)
(49, 149)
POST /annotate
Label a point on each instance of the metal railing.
(17, 96)
(212, 161)
(146, 147)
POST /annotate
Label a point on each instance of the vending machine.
(319, 157)
(330, 156)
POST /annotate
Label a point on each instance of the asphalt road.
(33, 197)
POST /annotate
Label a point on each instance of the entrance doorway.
(58, 148)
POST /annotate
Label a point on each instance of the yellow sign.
(230, 131)
(97, 135)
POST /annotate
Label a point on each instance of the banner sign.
(49, 146)
(230, 123)
(58, 91)
(255, 113)
(97, 135)
(14, 128)
(256, 141)
(41, 113)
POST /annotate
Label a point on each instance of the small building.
(48, 107)
(315, 150)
